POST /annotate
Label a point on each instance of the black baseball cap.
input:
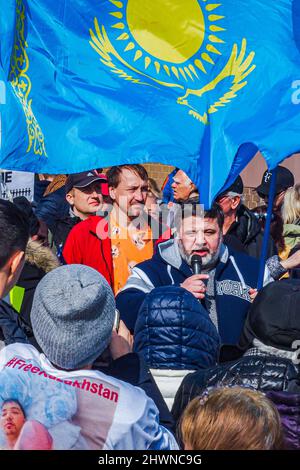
(285, 179)
(236, 187)
(82, 180)
(273, 319)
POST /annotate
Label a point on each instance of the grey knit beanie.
(72, 315)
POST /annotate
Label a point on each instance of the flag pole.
(263, 255)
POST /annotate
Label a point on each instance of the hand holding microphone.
(194, 284)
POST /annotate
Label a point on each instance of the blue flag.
(94, 83)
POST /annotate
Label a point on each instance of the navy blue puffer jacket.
(174, 331)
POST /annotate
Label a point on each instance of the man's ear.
(11, 271)
(70, 198)
(14, 266)
(235, 201)
(17, 262)
(279, 198)
(112, 193)
(194, 187)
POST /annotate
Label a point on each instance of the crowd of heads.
(73, 311)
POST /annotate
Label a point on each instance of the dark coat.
(174, 331)
(288, 406)
(52, 207)
(12, 327)
(260, 372)
(247, 230)
(61, 229)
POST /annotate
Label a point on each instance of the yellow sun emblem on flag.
(174, 44)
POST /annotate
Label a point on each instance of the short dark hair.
(193, 209)
(14, 231)
(215, 212)
(114, 173)
(25, 206)
(13, 400)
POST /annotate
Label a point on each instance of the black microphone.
(196, 263)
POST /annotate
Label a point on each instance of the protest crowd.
(130, 316)
(150, 311)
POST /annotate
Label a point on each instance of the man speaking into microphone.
(198, 261)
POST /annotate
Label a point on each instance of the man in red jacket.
(113, 248)
(88, 243)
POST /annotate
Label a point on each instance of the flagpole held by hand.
(263, 257)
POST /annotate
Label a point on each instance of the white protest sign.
(16, 183)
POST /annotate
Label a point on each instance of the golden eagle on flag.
(173, 44)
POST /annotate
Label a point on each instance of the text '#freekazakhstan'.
(92, 387)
